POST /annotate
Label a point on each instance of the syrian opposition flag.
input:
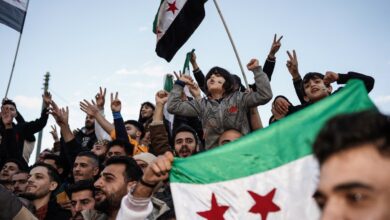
(174, 23)
(270, 173)
(13, 13)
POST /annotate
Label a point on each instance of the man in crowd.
(353, 151)
(19, 182)
(43, 180)
(86, 166)
(120, 173)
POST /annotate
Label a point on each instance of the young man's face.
(84, 168)
(116, 151)
(355, 184)
(89, 122)
(99, 149)
(81, 200)
(9, 169)
(315, 89)
(228, 136)
(132, 131)
(11, 109)
(112, 186)
(39, 184)
(19, 182)
(185, 144)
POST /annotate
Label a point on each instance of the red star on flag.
(216, 212)
(264, 204)
(172, 7)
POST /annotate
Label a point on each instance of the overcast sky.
(87, 44)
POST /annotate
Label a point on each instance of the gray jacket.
(229, 113)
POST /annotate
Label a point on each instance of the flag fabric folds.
(13, 13)
(174, 23)
(269, 173)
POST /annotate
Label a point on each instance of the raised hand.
(292, 64)
(61, 116)
(116, 104)
(88, 108)
(330, 77)
(195, 90)
(161, 97)
(100, 98)
(193, 61)
(281, 105)
(47, 99)
(159, 169)
(253, 64)
(6, 117)
(54, 133)
(275, 47)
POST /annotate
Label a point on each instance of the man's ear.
(138, 133)
(95, 171)
(329, 89)
(130, 184)
(306, 99)
(53, 186)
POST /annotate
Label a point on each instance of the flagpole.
(16, 53)
(232, 42)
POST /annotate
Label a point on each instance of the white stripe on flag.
(166, 17)
(21, 4)
(295, 184)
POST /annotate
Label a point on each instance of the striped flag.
(174, 23)
(270, 173)
(13, 13)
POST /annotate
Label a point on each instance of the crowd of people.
(119, 169)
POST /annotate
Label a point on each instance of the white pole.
(232, 42)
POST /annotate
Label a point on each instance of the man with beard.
(83, 201)
(86, 136)
(86, 166)
(118, 176)
(185, 141)
(19, 182)
(43, 180)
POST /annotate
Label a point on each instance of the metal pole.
(16, 54)
(232, 42)
(45, 89)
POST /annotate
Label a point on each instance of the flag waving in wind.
(175, 22)
(13, 13)
(270, 173)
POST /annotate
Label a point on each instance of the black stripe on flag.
(11, 16)
(185, 23)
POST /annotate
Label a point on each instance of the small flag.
(168, 82)
(186, 66)
(269, 173)
(174, 23)
(13, 13)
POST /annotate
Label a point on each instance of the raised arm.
(340, 78)
(269, 64)
(158, 134)
(263, 93)
(292, 66)
(92, 109)
(181, 107)
(198, 74)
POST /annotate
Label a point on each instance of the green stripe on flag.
(156, 18)
(186, 65)
(271, 147)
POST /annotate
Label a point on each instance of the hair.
(82, 185)
(56, 158)
(140, 118)
(51, 171)
(8, 102)
(138, 125)
(184, 127)
(132, 171)
(122, 144)
(22, 164)
(348, 131)
(103, 142)
(310, 76)
(228, 86)
(90, 155)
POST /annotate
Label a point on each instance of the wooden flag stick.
(232, 42)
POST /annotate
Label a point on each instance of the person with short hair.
(43, 181)
(19, 182)
(229, 136)
(85, 166)
(353, 151)
(120, 173)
